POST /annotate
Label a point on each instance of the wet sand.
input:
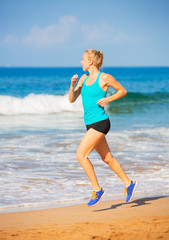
(146, 218)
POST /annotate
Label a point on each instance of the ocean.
(40, 132)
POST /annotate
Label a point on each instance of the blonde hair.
(95, 56)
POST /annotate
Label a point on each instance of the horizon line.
(139, 66)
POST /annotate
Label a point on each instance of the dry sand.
(146, 218)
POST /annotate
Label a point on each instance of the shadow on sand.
(138, 202)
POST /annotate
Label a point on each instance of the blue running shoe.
(129, 191)
(95, 197)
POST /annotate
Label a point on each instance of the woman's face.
(85, 62)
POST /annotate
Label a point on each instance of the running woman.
(93, 89)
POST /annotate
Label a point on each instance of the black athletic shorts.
(101, 126)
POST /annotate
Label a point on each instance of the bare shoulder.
(107, 78)
(82, 78)
(110, 81)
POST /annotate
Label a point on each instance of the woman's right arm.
(74, 92)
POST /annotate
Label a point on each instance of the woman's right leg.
(103, 149)
(88, 143)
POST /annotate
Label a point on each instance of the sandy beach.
(145, 218)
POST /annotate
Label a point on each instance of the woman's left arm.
(110, 81)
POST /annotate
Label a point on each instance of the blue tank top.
(90, 96)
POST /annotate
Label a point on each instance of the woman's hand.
(74, 80)
(103, 102)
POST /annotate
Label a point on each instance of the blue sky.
(56, 33)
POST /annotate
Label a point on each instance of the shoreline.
(142, 218)
(50, 205)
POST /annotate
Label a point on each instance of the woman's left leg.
(90, 140)
(103, 149)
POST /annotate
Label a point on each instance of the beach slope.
(146, 218)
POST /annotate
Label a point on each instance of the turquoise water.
(40, 132)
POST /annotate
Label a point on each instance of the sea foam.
(38, 104)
